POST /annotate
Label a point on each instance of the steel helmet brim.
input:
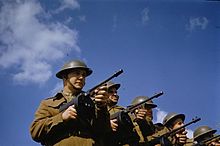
(203, 128)
(63, 72)
(171, 118)
(72, 65)
(117, 86)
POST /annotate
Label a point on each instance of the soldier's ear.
(64, 78)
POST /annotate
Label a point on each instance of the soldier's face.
(177, 123)
(76, 78)
(205, 137)
(149, 111)
(113, 96)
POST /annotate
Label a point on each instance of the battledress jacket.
(48, 127)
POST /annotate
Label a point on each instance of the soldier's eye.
(147, 107)
(84, 74)
(110, 91)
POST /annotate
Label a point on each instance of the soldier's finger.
(114, 120)
(73, 113)
(101, 92)
(142, 112)
(140, 117)
(103, 87)
(184, 132)
(99, 100)
(72, 116)
(100, 96)
(115, 124)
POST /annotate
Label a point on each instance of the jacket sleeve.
(46, 119)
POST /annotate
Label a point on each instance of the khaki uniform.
(110, 138)
(189, 142)
(114, 109)
(48, 128)
(147, 131)
(144, 133)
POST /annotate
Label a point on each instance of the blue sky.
(162, 45)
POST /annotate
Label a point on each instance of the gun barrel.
(105, 81)
(133, 107)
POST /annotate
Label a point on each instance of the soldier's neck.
(71, 90)
(111, 104)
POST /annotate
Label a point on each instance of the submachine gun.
(83, 102)
(162, 139)
(125, 132)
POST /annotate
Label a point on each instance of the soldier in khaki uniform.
(205, 136)
(122, 133)
(52, 127)
(142, 119)
(112, 102)
(173, 121)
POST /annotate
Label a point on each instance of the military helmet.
(111, 84)
(74, 64)
(203, 130)
(171, 116)
(139, 99)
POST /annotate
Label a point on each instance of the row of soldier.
(93, 118)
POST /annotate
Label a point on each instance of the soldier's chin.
(78, 87)
(115, 100)
(150, 118)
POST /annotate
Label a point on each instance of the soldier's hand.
(101, 96)
(141, 114)
(181, 137)
(214, 144)
(114, 124)
(69, 113)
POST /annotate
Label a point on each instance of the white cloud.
(29, 45)
(58, 87)
(115, 19)
(189, 133)
(145, 16)
(67, 4)
(160, 115)
(82, 18)
(197, 23)
(68, 20)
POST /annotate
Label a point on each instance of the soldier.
(52, 127)
(142, 119)
(173, 121)
(112, 102)
(122, 131)
(205, 136)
